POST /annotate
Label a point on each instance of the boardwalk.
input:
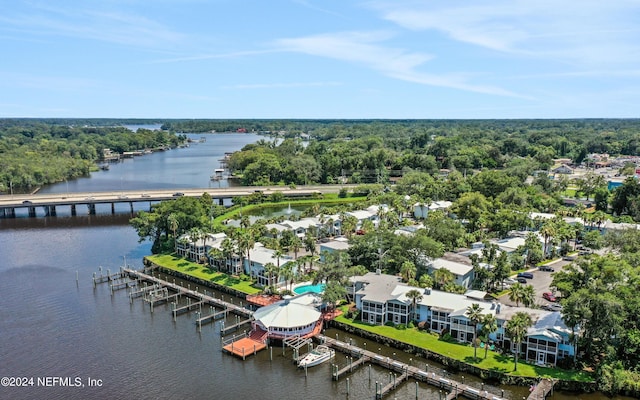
(203, 298)
(405, 371)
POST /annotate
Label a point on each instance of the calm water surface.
(53, 326)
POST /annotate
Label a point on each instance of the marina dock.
(155, 290)
(405, 371)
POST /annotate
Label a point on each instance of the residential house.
(197, 250)
(460, 267)
(421, 210)
(259, 257)
(339, 244)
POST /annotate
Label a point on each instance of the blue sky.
(320, 59)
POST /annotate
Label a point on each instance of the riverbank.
(496, 367)
(198, 273)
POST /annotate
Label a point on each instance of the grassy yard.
(494, 361)
(328, 199)
(201, 272)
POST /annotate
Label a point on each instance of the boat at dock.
(317, 356)
(218, 174)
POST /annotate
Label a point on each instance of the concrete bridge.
(50, 201)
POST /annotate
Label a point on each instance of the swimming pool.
(319, 288)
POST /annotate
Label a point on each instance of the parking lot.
(541, 283)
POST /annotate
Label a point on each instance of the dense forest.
(39, 152)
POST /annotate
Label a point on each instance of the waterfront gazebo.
(294, 316)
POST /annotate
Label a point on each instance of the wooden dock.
(226, 329)
(406, 371)
(349, 367)
(211, 317)
(246, 344)
(158, 292)
(541, 390)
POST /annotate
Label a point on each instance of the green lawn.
(494, 361)
(328, 199)
(200, 271)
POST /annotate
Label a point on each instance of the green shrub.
(389, 323)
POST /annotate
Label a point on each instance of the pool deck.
(308, 285)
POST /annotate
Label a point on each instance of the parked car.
(522, 280)
(552, 307)
(526, 275)
(546, 268)
(549, 296)
(569, 258)
(178, 194)
(145, 195)
(509, 281)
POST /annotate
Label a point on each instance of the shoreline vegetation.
(459, 356)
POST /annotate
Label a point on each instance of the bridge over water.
(50, 202)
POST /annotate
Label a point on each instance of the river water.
(54, 326)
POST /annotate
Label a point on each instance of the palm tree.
(415, 296)
(228, 249)
(528, 296)
(172, 220)
(288, 274)
(216, 254)
(277, 254)
(296, 244)
(195, 234)
(516, 329)
(489, 325)
(425, 281)
(517, 293)
(442, 277)
(348, 223)
(408, 271)
(474, 313)
(310, 245)
(548, 231)
(268, 270)
(246, 243)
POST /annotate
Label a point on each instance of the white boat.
(317, 356)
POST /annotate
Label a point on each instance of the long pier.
(158, 292)
(406, 371)
(203, 298)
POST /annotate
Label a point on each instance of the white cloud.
(363, 48)
(108, 26)
(586, 31)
